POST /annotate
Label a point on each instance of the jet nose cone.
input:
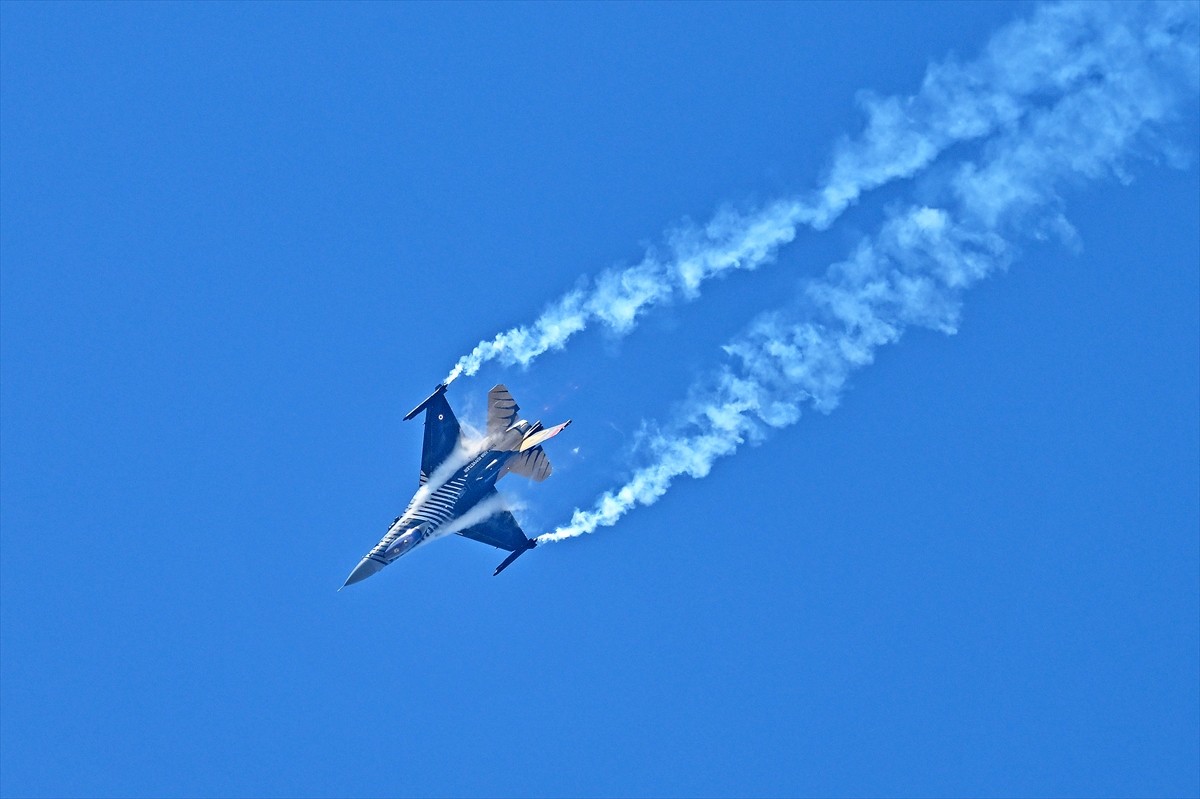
(365, 568)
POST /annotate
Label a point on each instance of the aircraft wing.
(500, 531)
(441, 431)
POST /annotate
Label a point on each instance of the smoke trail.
(914, 271)
(618, 296)
(1025, 66)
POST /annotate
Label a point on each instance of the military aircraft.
(457, 491)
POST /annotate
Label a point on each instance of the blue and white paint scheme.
(457, 492)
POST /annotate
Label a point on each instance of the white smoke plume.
(1142, 64)
(487, 508)
(468, 446)
(470, 443)
(618, 296)
(1026, 66)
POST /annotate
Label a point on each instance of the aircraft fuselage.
(433, 511)
(458, 482)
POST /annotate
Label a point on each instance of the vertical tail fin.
(502, 410)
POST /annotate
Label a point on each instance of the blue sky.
(239, 242)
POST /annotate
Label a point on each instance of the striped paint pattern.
(434, 510)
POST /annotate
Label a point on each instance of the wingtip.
(512, 556)
(439, 389)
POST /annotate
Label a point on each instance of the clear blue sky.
(240, 241)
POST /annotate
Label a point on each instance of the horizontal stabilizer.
(536, 437)
(531, 463)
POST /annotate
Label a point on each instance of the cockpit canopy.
(407, 541)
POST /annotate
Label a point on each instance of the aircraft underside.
(464, 500)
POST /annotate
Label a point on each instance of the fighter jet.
(457, 491)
